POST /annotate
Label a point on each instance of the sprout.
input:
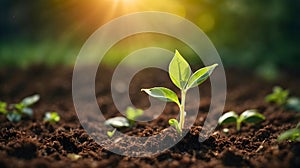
(111, 133)
(279, 96)
(52, 117)
(182, 77)
(248, 116)
(291, 134)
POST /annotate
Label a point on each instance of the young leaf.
(174, 123)
(200, 76)
(14, 116)
(132, 113)
(179, 71)
(251, 116)
(117, 122)
(229, 117)
(163, 94)
(52, 117)
(291, 134)
(3, 107)
(27, 111)
(28, 101)
(111, 133)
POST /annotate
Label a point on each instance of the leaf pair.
(52, 117)
(180, 73)
(248, 116)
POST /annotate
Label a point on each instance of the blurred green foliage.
(251, 34)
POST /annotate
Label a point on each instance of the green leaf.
(28, 101)
(179, 71)
(291, 134)
(117, 122)
(229, 117)
(279, 96)
(298, 125)
(19, 107)
(174, 123)
(163, 94)
(132, 113)
(52, 117)
(200, 76)
(293, 103)
(251, 116)
(3, 107)
(111, 133)
(14, 116)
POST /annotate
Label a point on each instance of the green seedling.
(182, 77)
(52, 117)
(111, 133)
(14, 112)
(131, 115)
(281, 98)
(291, 134)
(248, 116)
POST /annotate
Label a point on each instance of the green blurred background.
(258, 35)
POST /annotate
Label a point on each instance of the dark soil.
(34, 143)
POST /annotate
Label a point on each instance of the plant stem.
(182, 106)
(238, 125)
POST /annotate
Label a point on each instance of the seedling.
(181, 75)
(248, 116)
(14, 112)
(291, 134)
(52, 117)
(131, 115)
(281, 98)
(111, 133)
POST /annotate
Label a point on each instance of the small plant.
(14, 112)
(131, 115)
(181, 75)
(248, 116)
(52, 117)
(291, 134)
(111, 133)
(281, 98)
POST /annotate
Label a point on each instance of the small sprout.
(73, 156)
(14, 112)
(132, 114)
(279, 96)
(181, 75)
(248, 116)
(117, 122)
(111, 133)
(52, 117)
(291, 134)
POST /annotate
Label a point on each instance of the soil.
(35, 143)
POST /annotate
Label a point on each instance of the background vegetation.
(251, 34)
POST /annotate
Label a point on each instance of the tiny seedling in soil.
(131, 115)
(248, 116)
(291, 134)
(281, 97)
(181, 75)
(52, 117)
(111, 133)
(14, 112)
